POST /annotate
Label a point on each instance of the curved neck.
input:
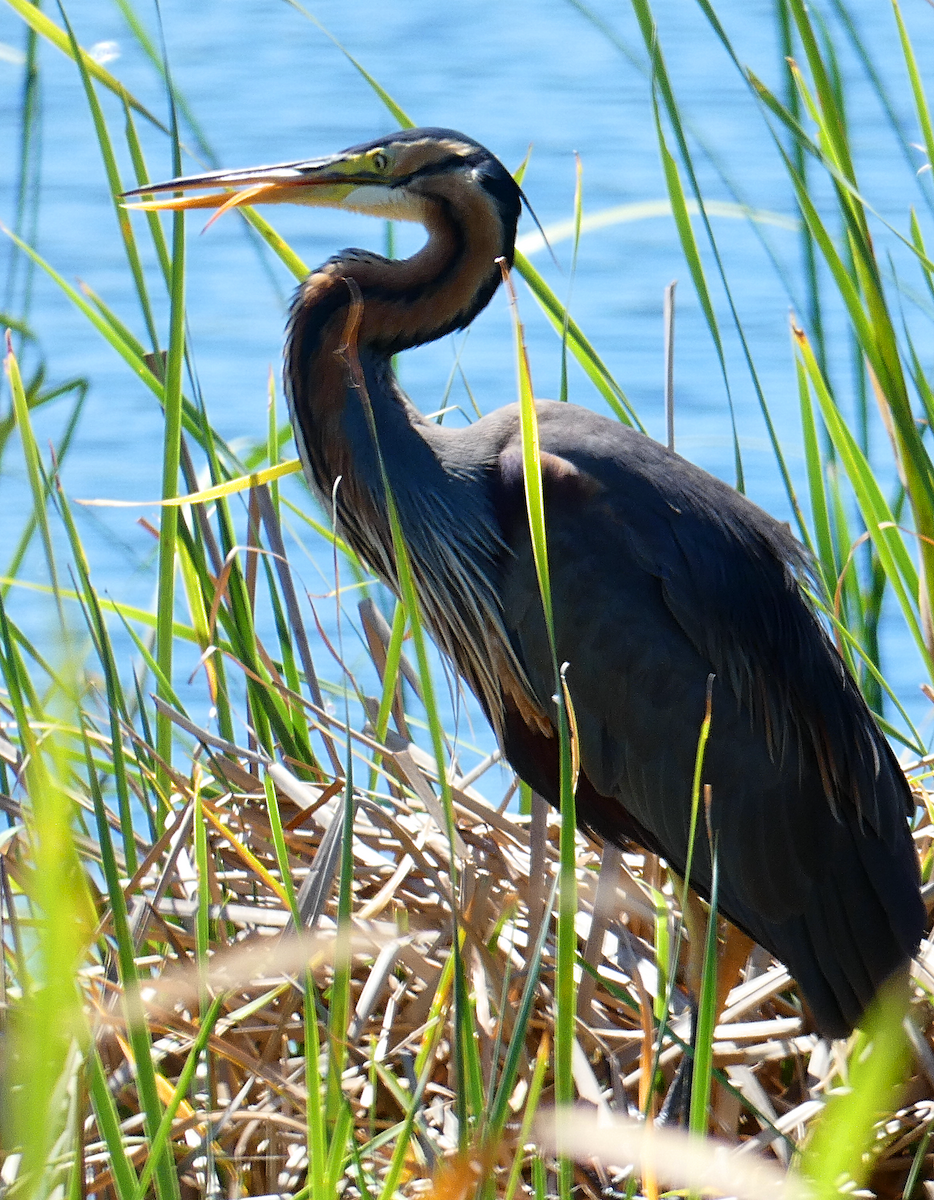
(347, 319)
(339, 388)
(357, 310)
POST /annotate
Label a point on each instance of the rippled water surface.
(267, 85)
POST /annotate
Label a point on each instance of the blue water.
(267, 85)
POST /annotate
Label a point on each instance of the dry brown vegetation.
(242, 1127)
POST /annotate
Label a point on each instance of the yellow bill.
(362, 182)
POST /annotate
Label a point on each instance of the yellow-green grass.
(314, 959)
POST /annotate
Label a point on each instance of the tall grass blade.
(839, 1152)
(578, 344)
(34, 471)
(565, 984)
(171, 456)
(58, 37)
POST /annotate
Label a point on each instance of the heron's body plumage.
(663, 578)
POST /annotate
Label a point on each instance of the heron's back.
(662, 577)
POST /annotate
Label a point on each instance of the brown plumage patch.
(562, 478)
(318, 397)
(413, 296)
(563, 483)
(515, 693)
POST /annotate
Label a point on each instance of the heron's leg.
(730, 960)
(676, 1109)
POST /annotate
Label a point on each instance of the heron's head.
(403, 177)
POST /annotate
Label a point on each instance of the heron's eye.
(380, 160)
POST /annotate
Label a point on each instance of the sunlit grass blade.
(391, 676)
(411, 1104)
(58, 37)
(127, 352)
(163, 1133)
(316, 1129)
(117, 708)
(122, 330)
(499, 1108)
(862, 288)
(832, 543)
(662, 83)
(127, 612)
(275, 241)
(917, 1165)
(823, 543)
(113, 179)
(34, 470)
(703, 1038)
(813, 280)
(207, 495)
(922, 109)
(876, 72)
(340, 994)
(528, 1116)
(578, 344)
(565, 984)
(152, 53)
(890, 546)
(831, 119)
(141, 172)
(396, 112)
(47, 1024)
(108, 1120)
(839, 1151)
(59, 453)
(164, 1179)
(171, 457)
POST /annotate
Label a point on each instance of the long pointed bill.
(341, 181)
(318, 182)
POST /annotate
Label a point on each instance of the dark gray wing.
(661, 577)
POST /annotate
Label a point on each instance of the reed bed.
(232, 944)
(277, 947)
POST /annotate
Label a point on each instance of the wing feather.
(662, 576)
